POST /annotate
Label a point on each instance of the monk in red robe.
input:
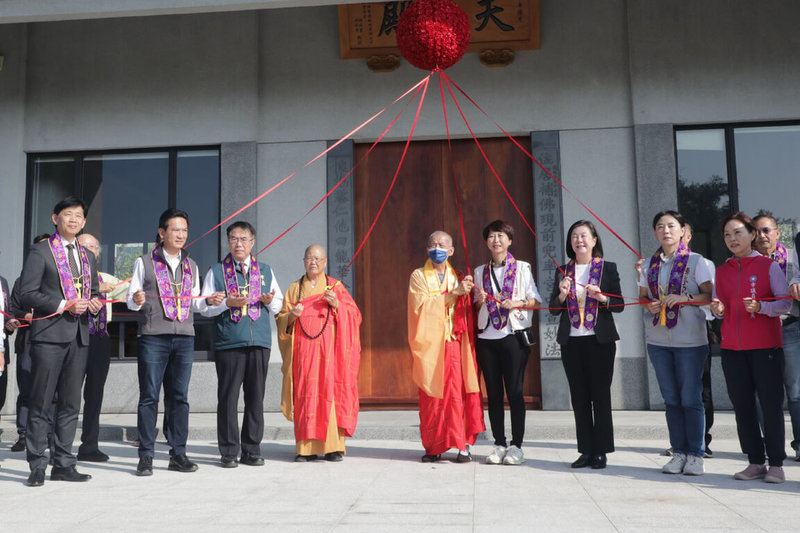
(440, 334)
(318, 333)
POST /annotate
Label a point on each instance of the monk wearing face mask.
(440, 330)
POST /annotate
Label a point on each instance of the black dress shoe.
(181, 463)
(598, 461)
(582, 461)
(305, 458)
(428, 458)
(67, 474)
(334, 457)
(228, 461)
(463, 457)
(145, 467)
(92, 456)
(18, 446)
(36, 479)
(251, 459)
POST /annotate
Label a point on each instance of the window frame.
(79, 157)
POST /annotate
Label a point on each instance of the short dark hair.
(70, 201)
(169, 214)
(42, 237)
(499, 226)
(241, 224)
(669, 212)
(597, 251)
(759, 217)
(744, 219)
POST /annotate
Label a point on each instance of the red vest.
(742, 278)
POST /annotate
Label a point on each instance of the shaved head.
(316, 250)
(440, 238)
(88, 241)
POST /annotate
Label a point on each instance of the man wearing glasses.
(242, 294)
(767, 244)
(99, 359)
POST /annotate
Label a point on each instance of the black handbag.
(525, 337)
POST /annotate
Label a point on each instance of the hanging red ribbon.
(317, 157)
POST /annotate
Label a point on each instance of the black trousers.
(246, 369)
(24, 386)
(708, 399)
(757, 372)
(589, 366)
(3, 386)
(503, 363)
(55, 368)
(96, 374)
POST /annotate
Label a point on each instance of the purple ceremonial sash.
(781, 256)
(174, 308)
(68, 287)
(97, 323)
(668, 317)
(590, 304)
(498, 315)
(252, 291)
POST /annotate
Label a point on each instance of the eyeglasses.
(314, 259)
(767, 230)
(242, 240)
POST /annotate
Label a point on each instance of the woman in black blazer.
(585, 298)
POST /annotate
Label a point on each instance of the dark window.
(752, 168)
(126, 191)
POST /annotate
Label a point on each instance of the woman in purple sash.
(672, 286)
(585, 293)
(504, 287)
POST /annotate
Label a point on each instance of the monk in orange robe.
(318, 334)
(440, 334)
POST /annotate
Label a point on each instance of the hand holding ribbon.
(77, 306)
(95, 305)
(593, 291)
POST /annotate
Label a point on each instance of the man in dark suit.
(23, 357)
(9, 325)
(59, 282)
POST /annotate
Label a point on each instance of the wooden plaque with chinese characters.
(371, 29)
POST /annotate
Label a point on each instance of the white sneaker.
(513, 456)
(693, 466)
(497, 455)
(675, 465)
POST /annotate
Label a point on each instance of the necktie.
(73, 266)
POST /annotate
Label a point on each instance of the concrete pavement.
(382, 486)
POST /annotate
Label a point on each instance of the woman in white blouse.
(504, 287)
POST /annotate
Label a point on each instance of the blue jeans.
(164, 357)
(680, 377)
(791, 376)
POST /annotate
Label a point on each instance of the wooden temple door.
(423, 200)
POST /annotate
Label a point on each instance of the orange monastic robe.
(320, 375)
(444, 364)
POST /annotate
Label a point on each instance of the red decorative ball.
(433, 33)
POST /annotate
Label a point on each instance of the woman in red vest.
(752, 346)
